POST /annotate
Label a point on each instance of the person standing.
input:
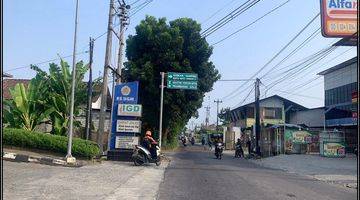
(248, 143)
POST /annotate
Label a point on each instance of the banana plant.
(58, 83)
(27, 108)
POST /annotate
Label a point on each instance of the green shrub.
(53, 143)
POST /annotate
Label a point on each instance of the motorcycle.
(142, 155)
(219, 150)
(184, 142)
(238, 151)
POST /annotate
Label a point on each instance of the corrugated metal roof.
(339, 66)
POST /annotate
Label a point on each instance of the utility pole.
(89, 107)
(217, 113)
(123, 22)
(207, 116)
(69, 157)
(104, 89)
(257, 115)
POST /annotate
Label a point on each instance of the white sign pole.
(161, 106)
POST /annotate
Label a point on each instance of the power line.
(142, 7)
(323, 64)
(312, 62)
(243, 28)
(299, 95)
(219, 10)
(134, 2)
(276, 55)
(247, 96)
(296, 36)
(300, 46)
(47, 61)
(225, 20)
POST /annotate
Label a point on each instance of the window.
(269, 113)
(272, 113)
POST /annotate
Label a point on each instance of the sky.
(41, 30)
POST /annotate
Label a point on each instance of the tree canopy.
(177, 46)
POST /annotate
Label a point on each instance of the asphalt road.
(194, 173)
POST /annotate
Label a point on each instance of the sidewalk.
(108, 180)
(339, 171)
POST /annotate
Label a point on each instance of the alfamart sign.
(338, 17)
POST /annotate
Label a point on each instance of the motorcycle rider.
(218, 144)
(239, 150)
(150, 144)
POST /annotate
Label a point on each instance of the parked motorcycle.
(219, 147)
(142, 155)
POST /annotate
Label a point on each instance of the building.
(312, 119)
(340, 85)
(274, 110)
(6, 75)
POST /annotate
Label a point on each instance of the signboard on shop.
(126, 142)
(133, 110)
(128, 126)
(354, 97)
(332, 149)
(338, 17)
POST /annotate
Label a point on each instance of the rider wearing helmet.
(150, 144)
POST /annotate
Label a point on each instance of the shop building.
(340, 85)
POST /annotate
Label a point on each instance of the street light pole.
(161, 106)
(69, 157)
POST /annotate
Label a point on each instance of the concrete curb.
(35, 159)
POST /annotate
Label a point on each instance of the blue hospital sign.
(125, 93)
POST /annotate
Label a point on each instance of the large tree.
(175, 47)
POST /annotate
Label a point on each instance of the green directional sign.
(186, 81)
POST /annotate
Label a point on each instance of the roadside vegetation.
(52, 143)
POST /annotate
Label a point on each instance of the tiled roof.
(10, 83)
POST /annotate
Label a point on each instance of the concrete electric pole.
(88, 109)
(207, 116)
(257, 116)
(104, 89)
(217, 113)
(123, 18)
(69, 157)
